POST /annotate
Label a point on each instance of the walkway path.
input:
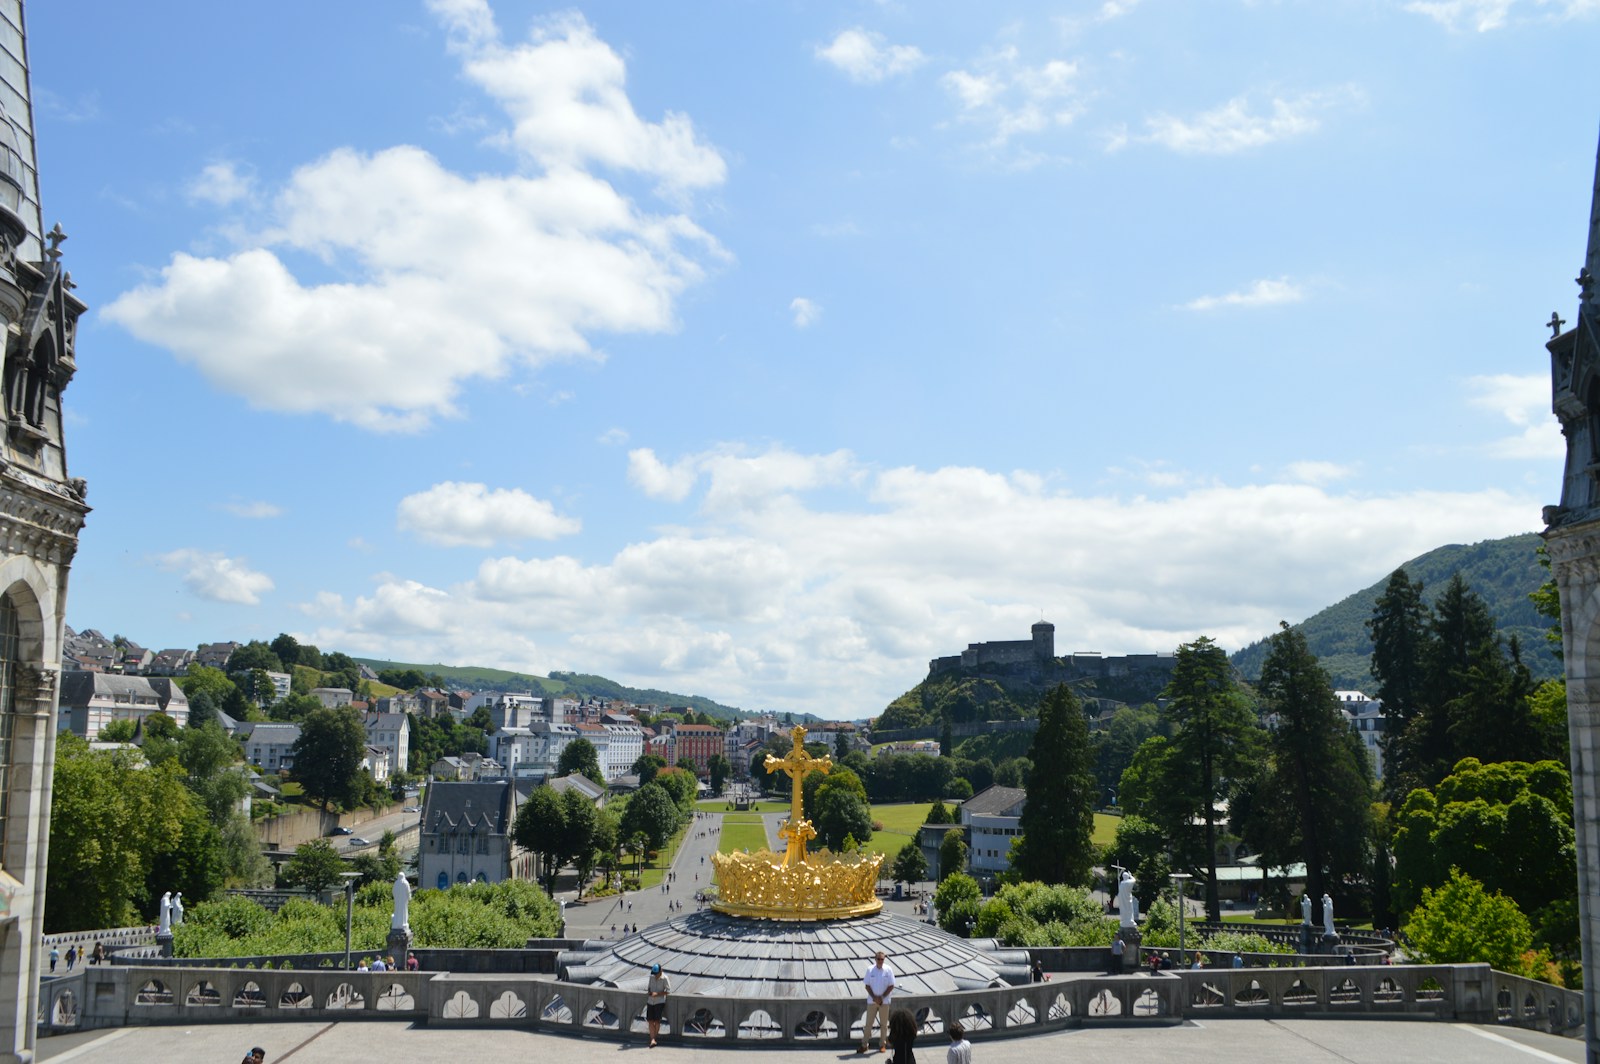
(595, 919)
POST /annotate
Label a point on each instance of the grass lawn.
(740, 832)
(1105, 829)
(655, 871)
(900, 823)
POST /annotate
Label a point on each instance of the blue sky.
(765, 351)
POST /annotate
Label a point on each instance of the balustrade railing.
(129, 995)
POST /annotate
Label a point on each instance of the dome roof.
(718, 955)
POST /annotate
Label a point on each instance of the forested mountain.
(1502, 571)
(572, 684)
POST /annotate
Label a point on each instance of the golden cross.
(798, 764)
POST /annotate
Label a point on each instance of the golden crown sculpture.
(823, 886)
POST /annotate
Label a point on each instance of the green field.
(1105, 829)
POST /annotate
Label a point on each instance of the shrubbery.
(468, 916)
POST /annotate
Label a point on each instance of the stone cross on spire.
(1556, 322)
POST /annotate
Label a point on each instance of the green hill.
(573, 684)
(1502, 571)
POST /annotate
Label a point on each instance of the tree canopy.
(1058, 817)
(328, 756)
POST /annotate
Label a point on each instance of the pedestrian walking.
(902, 1033)
(960, 1051)
(72, 956)
(55, 955)
(879, 980)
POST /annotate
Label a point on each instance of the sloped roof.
(486, 805)
(994, 801)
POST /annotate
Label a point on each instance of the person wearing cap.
(656, 1003)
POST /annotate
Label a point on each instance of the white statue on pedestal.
(1305, 908)
(166, 914)
(177, 908)
(1127, 904)
(402, 904)
(1327, 916)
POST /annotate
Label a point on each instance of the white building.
(333, 697)
(375, 759)
(626, 746)
(269, 746)
(1366, 717)
(993, 820)
(91, 700)
(391, 732)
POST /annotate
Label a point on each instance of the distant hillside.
(1502, 571)
(574, 684)
(1014, 692)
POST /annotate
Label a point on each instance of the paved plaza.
(1211, 1042)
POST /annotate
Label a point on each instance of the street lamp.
(349, 910)
(1178, 879)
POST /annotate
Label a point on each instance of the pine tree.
(1399, 631)
(1058, 818)
(1215, 740)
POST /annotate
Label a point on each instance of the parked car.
(339, 831)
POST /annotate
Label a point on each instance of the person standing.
(902, 1033)
(880, 988)
(960, 1051)
(656, 1002)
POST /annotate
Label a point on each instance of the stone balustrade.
(129, 995)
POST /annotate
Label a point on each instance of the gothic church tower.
(1572, 537)
(41, 512)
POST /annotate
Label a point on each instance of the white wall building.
(992, 818)
(626, 747)
(390, 732)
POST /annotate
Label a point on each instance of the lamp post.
(349, 910)
(1178, 879)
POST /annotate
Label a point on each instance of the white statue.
(1327, 916)
(1127, 904)
(402, 904)
(1305, 908)
(166, 914)
(177, 908)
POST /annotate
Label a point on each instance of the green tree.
(580, 756)
(1315, 801)
(1141, 847)
(1461, 923)
(719, 769)
(938, 813)
(203, 708)
(952, 854)
(1114, 745)
(254, 655)
(910, 865)
(956, 900)
(316, 866)
(682, 786)
(287, 647)
(842, 812)
(328, 755)
(841, 746)
(111, 819)
(117, 731)
(581, 821)
(295, 708)
(1398, 628)
(645, 766)
(541, 828)
(1215, 742)
(1058, 817)
(214, 682)
(652, 812)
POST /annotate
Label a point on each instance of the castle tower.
(1044, 641)
(1572, 536)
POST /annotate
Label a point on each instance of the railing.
(108, 937)
(134, 996)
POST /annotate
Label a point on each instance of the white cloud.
(865, 57)
(215, 576)
(1481, 16)
(1310, 472)
(1008, 98)
(811, 579)
(614, 436)
(1263, 293)
(1238, 125)
(657, 479)
(1524, 401)
(256, 510)
(804, 310)
(222, 185)
(537, 264)
(455, 514)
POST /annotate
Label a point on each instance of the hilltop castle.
(1040, 651)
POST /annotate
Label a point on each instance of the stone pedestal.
(1307, 941)
(164, 941)
(399, 945)
(1329, 944)
(1130, 939)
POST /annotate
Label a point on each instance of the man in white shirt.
(880, 988)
